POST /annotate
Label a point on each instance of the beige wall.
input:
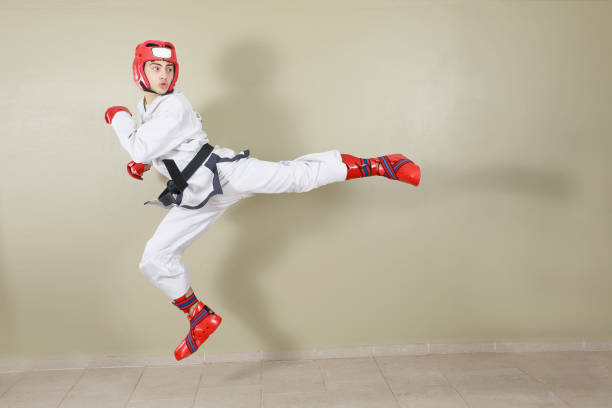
(505, 105)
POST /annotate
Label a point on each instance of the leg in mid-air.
(161, 265)
(253, 176)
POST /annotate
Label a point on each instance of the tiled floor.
(581, 379)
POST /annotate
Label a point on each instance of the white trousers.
(161, 261)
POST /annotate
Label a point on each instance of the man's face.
(160, 75)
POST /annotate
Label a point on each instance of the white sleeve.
(153, 139)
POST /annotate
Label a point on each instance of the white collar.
(155, 102)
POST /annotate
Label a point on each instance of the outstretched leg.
(252, 176)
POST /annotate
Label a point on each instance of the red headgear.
(151, 51)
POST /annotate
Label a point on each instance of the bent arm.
(151, 140)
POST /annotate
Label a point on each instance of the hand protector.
(110, 112)
(136, 169)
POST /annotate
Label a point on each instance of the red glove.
(136, 169)
(110, 113)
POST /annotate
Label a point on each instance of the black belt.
(178, 183)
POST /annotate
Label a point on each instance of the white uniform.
(171, 129)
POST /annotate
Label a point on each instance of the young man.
(170, 137)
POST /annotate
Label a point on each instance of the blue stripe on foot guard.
(400, 164)
(190, 343)
(365, 168)
(194, 322)
(388, 167)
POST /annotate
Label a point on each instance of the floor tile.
(430, 396)
(103, 387)
(585, 397)
(167, 383)
(297, 400)
(162, 403)
(341, 370)
(7, 380)
(47, 380)
(603, 355)
(507, 391)
(292, 376)
(96, 401)
(573, 377)
(562, 357)
(377, 385)
(231, 374)
(244, 396)
(363, 399)
(101, 381)
(40, 388)
(402, 373)
(451, 364)
(34, 399)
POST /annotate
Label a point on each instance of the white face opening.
(160, 52)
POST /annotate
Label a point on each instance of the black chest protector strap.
(179, 178)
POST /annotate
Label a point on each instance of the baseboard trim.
(296, 355)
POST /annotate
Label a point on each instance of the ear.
(144, 71)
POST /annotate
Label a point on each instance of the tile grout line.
(12, 385)
(322, 376)
(316, 361)
(71, 388)
(261, 374)
(467, 404)
(197, 391)
(387, 382)
(261, 383)
(135, 386)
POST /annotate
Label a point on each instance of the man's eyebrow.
(157, 63)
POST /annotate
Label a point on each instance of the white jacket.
(170, 129)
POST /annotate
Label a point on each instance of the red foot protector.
(399, 167)
(393, 166)
(203, 323)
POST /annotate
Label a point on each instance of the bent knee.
(152, 265)
(167, 260)
(149, 266)
(145, 264)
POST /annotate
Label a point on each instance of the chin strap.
(152, 91)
